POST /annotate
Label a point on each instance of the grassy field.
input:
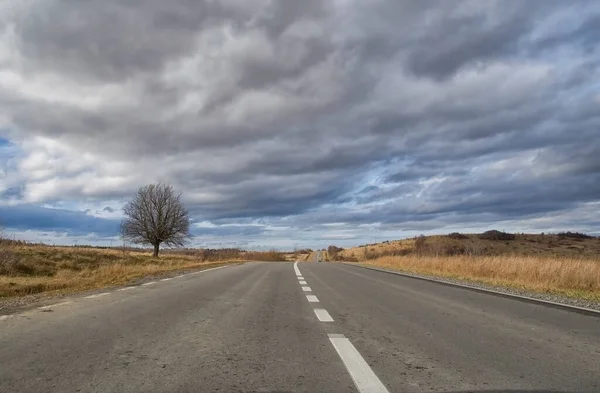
(27, 269)
(566, 264)
(573, 277)
(473, 245)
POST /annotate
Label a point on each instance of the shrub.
(10, 262)
(420, 245)
(575, 235)
(333, 251)
(497, 235)
(272, 256)
(456, 235)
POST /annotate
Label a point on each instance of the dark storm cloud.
(429, 113)
(240, 230)
(30, 217)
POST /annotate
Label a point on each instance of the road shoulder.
(587, 307)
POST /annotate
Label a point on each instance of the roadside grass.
(572, 277)
(35, 269)
(535, 245)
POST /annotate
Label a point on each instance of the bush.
(333, 251)
(208, 254)
(575, 235)
(456, 235)
(271, 256)
(420, 246)
(497, 235)
(10, 263)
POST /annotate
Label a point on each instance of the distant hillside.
(567, 244)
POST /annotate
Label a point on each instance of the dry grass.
(472, 244)
(573, 277)
(363, 253)
(32, 268)
(226, 254)
(41, 268)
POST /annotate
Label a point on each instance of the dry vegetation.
(567, 245)
(30, 269)
(566, 263)
(223, 254)
(567, 276)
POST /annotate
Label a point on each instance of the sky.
(307, 123)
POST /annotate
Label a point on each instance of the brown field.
(567, 265)
(523, 245)
(573, 277)
(30, 269)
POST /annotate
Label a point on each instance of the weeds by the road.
(570, 245)
(35, 268)
(208, 254)
(32, 268)
(572, 277)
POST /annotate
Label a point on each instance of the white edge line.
(212, 268)
(323, 315)
(491, 291)
(126, 289)
(312, 299)
(200, 271)
(306, 289)
(97, 295)
(149, 283)
(54, 305)
(165, 279)
(207, 270)
(5, 317)
(364, 378)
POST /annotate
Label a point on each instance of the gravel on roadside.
(549, 297)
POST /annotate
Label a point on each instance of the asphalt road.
(258, 328)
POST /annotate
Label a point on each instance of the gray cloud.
(305, 114)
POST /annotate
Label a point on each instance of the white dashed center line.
(323, 315)
(364, 378)
(97, 295)
(296, 269)
(312, 299)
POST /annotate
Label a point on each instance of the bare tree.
(155, 216)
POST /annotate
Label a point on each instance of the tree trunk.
(155, 253)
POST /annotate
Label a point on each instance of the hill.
(566, 264)
(491, 243)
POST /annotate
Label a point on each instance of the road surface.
(271, 327)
